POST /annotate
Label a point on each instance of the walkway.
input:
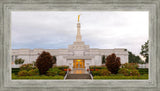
(79, 73)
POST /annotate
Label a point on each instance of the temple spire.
(78, 17)
(78, 37)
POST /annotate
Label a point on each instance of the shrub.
(143, 71)
(27, 67)
(53, 72)
(62, 67)
(62, 73)
(129, 72)
(130, 65)
(23, 73)
(97, 67)
(134, 72)
(124, 71)
(104, 72)
(95, 73)
(19, 61)
(15, 70)
(33, 72)
(44, 62)
(113, 63)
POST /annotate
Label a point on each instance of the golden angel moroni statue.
(78, 17)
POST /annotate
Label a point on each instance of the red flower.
(96, 69)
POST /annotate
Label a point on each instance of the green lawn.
(141, 77)
(145, 77)
(15, 77)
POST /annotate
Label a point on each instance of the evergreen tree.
(133, 58)
(144, 51)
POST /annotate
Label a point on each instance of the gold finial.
(78, 17)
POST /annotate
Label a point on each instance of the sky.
(99, 29)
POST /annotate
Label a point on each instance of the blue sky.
(57, 29)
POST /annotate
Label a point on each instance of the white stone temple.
(78, 55)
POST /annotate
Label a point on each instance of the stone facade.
(78, 50)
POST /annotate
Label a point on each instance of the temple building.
(77, 55)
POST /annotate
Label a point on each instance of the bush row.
(97, 67)
(130, 65)
(62, 67)
(55, 71)
(32, 72)
(27, 67)
(129, 72)
(101, 72)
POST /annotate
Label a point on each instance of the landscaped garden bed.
(28, 71)
(115, 70)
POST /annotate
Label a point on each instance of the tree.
(44, 62)
(144, 51)
(103, 59)
(113, 63)
(133, 58)
(19, 61)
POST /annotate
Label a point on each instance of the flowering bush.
(33, 72)
(134, 72)
(104, 72)
(129, 72)
(96, 69)
(66, 69)
(130, 65)
(27, 67)
(124, 71)
(23, 73)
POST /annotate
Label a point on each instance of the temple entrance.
(78, 63)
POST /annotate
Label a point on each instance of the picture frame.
(7, 6)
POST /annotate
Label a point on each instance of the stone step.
(78, 76)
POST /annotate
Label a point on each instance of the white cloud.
(55, 29)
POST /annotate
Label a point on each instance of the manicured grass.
(43, 77)
(121, 77)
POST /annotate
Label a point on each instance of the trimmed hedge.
(97, 67)
(101, 72)
(62, 67)
(143, 71)
(15, 70)
(121, 77)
